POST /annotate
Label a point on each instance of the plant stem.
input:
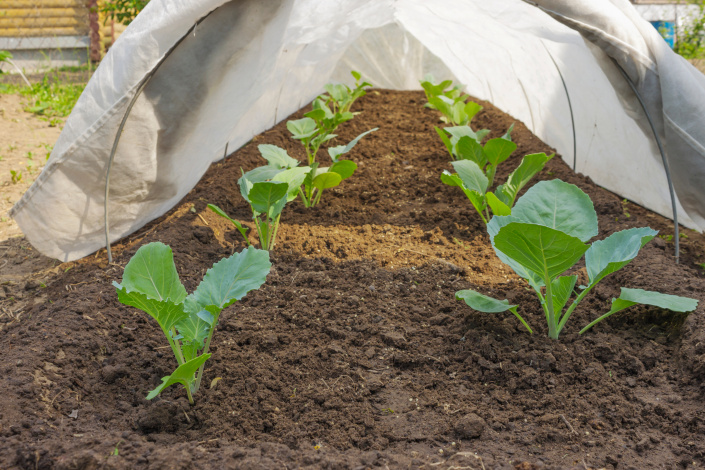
(523, 322)
(544, 306)
(260, 234)
(315, 152)
(491, 171)
(312, 148)
(543, 303)
(575, 303)
(552, 323)
(595, 322)
(179, 350)
(188, 393)
(304, 199)
(273, 232)
(174, 347)
(268, 224)
(199, 374)
(482, 216)
(318, 197)
(311, 192)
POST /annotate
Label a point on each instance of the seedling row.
(541, 235)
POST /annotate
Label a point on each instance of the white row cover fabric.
(251, 63)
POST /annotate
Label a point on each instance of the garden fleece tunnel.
(197, 79)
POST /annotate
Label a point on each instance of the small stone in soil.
(470, 426)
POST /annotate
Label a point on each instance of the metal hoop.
(139, 91)
(663, 158)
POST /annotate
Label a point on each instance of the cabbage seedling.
(268, 189)
(267, 200)
(452, 103)
(321, 178)
(545, 236)
(434, 90)
(150, 283)
(341, 97)
(456, 112)
(317, 128)
(476, 168)
(316, 178)
(450, 136)
(312, 131)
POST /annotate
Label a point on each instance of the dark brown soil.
(354, 354)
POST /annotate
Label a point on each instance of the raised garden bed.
(355, 354)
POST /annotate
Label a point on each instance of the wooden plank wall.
(44, 18)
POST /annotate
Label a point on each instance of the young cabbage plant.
(321, 178)
(451, 102)
(268, 189)
(151, 283)
(341, 97)
(434, 90)
(457, 112)
(476, 168)
(316, 128)
(451, 136)
(318, 178)
(327, 113)
(545, 236)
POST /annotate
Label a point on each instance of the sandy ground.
(25, 143)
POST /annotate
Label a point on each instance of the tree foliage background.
(122, 11)
(690, 40)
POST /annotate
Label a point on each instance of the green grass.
(87, 67)
(48, 99)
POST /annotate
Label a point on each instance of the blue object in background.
(667, 30)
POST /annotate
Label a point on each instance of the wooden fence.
(42, 25)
